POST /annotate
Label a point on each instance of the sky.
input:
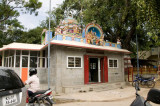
(32, 21)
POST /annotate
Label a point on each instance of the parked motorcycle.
(150, 82)
(41, 98)
(153, 96)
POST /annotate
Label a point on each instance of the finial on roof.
(70, 15)
(94, 21)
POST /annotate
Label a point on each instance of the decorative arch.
(94, 28)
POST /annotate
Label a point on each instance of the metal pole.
(158, 59)
(49, 46)
(137, 57)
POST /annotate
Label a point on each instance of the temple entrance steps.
(92, 87)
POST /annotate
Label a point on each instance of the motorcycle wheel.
(134, 83)
(46, 103)
(150, 84)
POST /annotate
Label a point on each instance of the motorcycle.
(153, 96)
(41, 98)
(150, 82)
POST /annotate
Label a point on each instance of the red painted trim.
(0, 61)
(86, 69)
(24, 74)
(132, 73)
(95, 56)
(128, 73)
(127, 63)
(105, 69)
(101, 63)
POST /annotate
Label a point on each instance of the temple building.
(80, 59)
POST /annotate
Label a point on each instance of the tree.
(9, 8)
(32, 36)
(45, 24)
(118, 18)
(9, 11)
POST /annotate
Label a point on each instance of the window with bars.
(113, 63)
(74, 62)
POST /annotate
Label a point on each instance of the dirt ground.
(114, 98)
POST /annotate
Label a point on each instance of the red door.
(86, 69)
(105, 69)
(102, 71)
(24, 70)
(24, 74)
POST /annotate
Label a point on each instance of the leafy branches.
(118, 18)
(9, 8)
(10, 27)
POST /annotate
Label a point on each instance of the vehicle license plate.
(8, 100)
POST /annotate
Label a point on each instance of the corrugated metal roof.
(22, 46)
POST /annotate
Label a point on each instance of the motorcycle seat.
(154, 96)
(39, 92)
(146, 78)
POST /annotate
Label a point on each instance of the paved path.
(101, 96)
(116, 97)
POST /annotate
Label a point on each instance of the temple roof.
(88, 46)
(38, 47)
(22, 46)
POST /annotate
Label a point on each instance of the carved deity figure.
(89, 37)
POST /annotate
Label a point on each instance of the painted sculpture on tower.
(68, 26)
(70, 29)
(94, 34)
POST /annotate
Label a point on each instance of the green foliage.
(10, 27)
(9, 8)
(118, 18)
(45, 24)
(32, 36)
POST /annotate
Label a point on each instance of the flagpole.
(49, 46)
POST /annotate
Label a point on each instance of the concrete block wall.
(67, 76)
(73, 76)
(17, 70)
(63, 77)
(116, 74)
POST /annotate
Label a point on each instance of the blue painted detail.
(48, 37)
(83, 33)
(113, 45)
(107, 44)
(78, 39)
(68, 38)
(154, 66)
(119, 46)
(55, 38)
(59, 37)
(84, 40)
(94, 42)
(95, 30)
